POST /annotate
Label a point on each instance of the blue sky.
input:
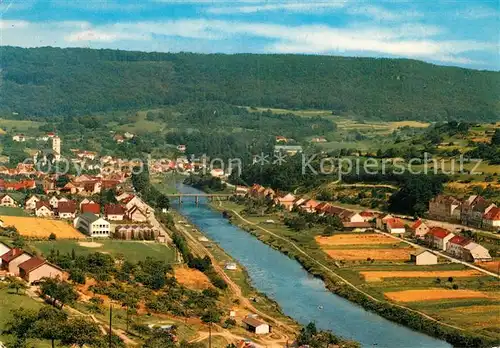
(461, 32)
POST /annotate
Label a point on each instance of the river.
(300, 295)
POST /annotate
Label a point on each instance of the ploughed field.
(381, 266)
(33, 227)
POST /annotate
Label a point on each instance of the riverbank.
(343, 282)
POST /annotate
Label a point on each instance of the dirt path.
(326, 268)
(103, 326)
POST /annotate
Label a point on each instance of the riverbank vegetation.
(472, 331)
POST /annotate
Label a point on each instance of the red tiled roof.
(367, 214)
(12, 254)
(128, 199)
(417, 224)
(40, 204)
(493, 214)
(66, 207)
(93, 208)
(31, 264)
(459, 240)
(439, 232)
(114, 209)
(356, 224)
(395, 223)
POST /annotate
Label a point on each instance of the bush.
(52, 236)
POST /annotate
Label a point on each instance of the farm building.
(256, 326)
(423, 258)
(34, 269)
(473, 252)
(455, 246)
(491, 220)
(136, 214)
(139, 231)
(92, 225)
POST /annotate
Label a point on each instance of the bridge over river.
(196, 196)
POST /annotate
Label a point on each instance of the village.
(475, 211)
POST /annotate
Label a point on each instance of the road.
(441, 254)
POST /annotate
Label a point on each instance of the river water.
(300, 295)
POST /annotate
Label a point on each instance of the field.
(9, 211)
(376, 254)
(192, 278)
(433, 294)
(355, 239)
(42, 228)
(493, 266)
(375, 276)
(19, 125)
(131, 250)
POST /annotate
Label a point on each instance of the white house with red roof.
(419, 229)
(368, 215)
(455, 246)
(395, 225)
(309, 206)
(382, 220)
(439, 237)
(7, 201)
(43, 209)
(491, 220)
(286, 201)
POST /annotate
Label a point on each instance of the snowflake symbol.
(261, 159)
(279, 158)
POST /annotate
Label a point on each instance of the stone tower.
(56, 147)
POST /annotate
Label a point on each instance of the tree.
(209, 317)
(18, 242)
(159, 339)
(16, 284)
(80, 331)
(58, 290)
(50, 324)
(52, 236)
(495, 140)
(21, 325)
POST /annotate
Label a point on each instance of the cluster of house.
(90, 220)
(17, 262)
(20, 170)
(455, 245)
(350, 220)
(475, 211)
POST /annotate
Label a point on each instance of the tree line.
(75, 81)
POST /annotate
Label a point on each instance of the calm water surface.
(300, 295)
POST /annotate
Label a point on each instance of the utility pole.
(210, 335)
(110, 321)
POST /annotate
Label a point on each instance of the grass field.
(8, 211)
(19, 125)
(10, 300)
(132, 250)
(42, 228)
(142, 125)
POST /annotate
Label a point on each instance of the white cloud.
(382, 14)
(478, 13)
(302, 7)
(103, 36)
(407, 40)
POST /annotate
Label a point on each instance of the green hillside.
(53, 81)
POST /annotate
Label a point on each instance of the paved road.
(441, 254)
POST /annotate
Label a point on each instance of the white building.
(256, 326)
(30, 203)
(4, 248)
(92, 225)
(56, 147)
(424, 258)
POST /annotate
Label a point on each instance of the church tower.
(56, 147)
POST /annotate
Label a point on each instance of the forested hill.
(53, 81)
